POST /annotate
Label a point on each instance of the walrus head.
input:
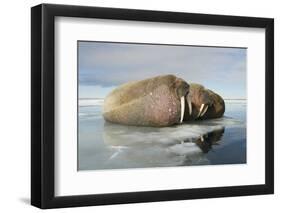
(203, 103)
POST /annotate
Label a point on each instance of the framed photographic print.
(140, 106)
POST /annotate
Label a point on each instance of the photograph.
(149, 105)
(135, 105)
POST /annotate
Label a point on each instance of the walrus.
(158, 101)
(205, 104)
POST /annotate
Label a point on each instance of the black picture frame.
(43, 102)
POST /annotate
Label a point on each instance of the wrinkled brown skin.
(150, 102)
(200, 95)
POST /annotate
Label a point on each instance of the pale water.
(103, 145)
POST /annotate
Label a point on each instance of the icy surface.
(103, 145)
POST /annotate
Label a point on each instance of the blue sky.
(102, 66)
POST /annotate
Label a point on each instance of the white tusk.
(202, 139)
(201, 108)
(182, 108)
(204, 111)
(189, 105)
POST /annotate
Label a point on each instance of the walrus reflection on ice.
(159, 101)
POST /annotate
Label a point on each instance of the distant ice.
(236, 101)
(90, 102)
